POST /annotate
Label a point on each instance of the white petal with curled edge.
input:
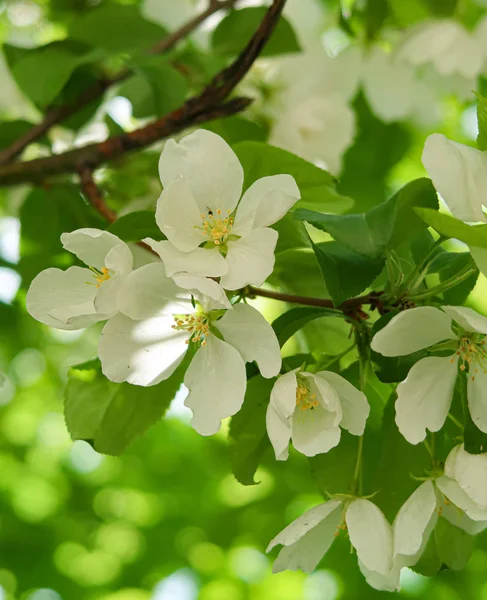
(141, 352)
(210, 167)
(283, 394)
(414, 522)
(412, 330)
(147, 292)
(477, 397)
(63, 299)
(201, 261)
(355, 408)
(306, 553)
(303, 524)
(90, 245)
(281, 406)
(470, 472)
(266, 201)
(247, 330)
(216, 380)
(459, 173)
(250, 259)
(208, 292)
(179, 218)
(371, 535)
(120, 259)
(461, 499)
(456, 516)
(424, 397)
(467, 318)
(314, 431)
(390, 582)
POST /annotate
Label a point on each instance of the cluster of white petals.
(424, 397)
(310, 409)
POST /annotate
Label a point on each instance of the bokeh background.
(167, 520)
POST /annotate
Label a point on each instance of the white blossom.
(79, 297)
(424, 397)
(146, 343)
(211, 229)
(310, 536)
(310, 409)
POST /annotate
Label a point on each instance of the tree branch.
(94, 194)
(203, 107)
(57, 114)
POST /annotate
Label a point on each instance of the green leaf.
(116, 28)
(136, 226)
(453, 545)
(346, 274)
(112, 415)
(429, 563)
(42, 72)
(333, 471)
(235, 30)
(317, 186)
(248, 434)
(482, 122)
(236, 129)
(10, 131)
(290, 322)
(297, 271)
(391, 369)
(381, 228)
(448, 226)
(449, 264)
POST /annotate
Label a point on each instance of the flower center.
(215, 227)
(305, 400)
(100, 276)
(472, 353)
(196, 325)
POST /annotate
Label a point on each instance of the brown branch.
(57, 114)
(203, 107)
(94, 194)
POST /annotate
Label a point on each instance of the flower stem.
(421, 268)
(446, 285)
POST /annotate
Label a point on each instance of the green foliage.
(450, 264)
(237, 129)
(448, 226)
(12, 130)
(136, 226)
(293, 320)
(248, 434)
(235, 30)
(381, 228)
(110, 416)
(453, 545)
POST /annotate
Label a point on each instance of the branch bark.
(58, 114)
(201, 108)
(94, 194)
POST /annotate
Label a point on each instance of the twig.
(57, 114)
(94, 194)
(203, 107)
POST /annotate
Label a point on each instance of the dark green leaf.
(449, 264)
(237, 129)
(448, 226)
(346, 273)
(10, 131)
(290, 322)
(248, 434)
(333, 471)
(235, 30)
(112, 415)
(136, 226)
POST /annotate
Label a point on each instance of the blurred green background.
(167, 520)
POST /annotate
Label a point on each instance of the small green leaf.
(248, 434)
(316, 185)
(448, 226)
(112, 415)
(136, 226)
(346, 273)
(235, 30)
(293, 320)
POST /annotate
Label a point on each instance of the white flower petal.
(303, 524)
(424, 397)
(459, 173)
(90, 245)
(477, 397)
(461, 499)
(390, 582)
(147, 292)
(141, 352)
(370, 535)
(412, 330)
(208, 292)
(216, 380)
(306, 553)
(456, 516)
(210, 167)
(314, 430)
(247, 330)
(468, 319)
(106, 300)
(355, 408)
(64, 299)
(250, 259)
(414, 523)
(266, 201)
(120, 259)
(326, 395)
(179, 218)
(283, 394)
(470, 472)
(281, 406)
(201, 261)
